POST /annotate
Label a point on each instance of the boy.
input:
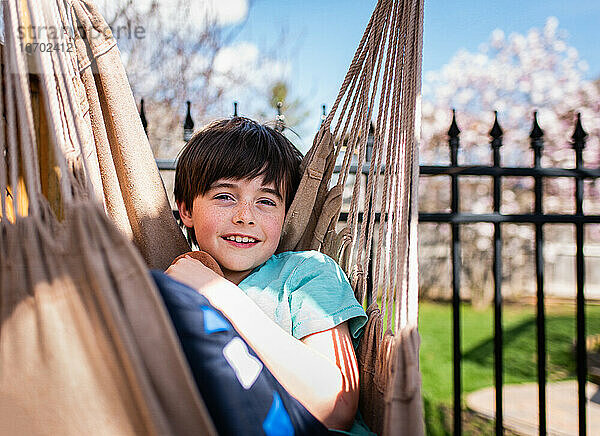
(234, 182)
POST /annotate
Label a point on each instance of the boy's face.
(238, 222)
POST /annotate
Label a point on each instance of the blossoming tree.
(514, 75)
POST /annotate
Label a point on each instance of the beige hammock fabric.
(133, 192)
(89, 116)
(86, 346)
(382, 86)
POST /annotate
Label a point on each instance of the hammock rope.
(382, 89)
(383, 79)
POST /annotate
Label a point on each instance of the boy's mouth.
(241, 240)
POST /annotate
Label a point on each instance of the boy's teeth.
(240, 239)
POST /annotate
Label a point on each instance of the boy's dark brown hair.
(237, 148)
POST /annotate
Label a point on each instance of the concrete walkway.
(521, 408)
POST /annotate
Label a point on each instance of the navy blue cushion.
(240, 393)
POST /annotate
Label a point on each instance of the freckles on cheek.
(209, 222)
(275, 225)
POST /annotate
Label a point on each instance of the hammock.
(85, 343)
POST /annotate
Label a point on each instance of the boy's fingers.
(190, 261)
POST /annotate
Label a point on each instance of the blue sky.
(321, 36)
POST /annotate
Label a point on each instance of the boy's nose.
(243, 214)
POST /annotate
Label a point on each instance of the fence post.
(537, 145)
(143, 117)
(579, 136)
(188, 125)
(496, 134)
(280, 118)
(453, 142)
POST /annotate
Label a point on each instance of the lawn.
(477, 329)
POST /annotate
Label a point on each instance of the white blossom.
(514, 75)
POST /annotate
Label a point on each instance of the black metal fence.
(455, 218)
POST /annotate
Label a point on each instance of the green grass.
(477, 336)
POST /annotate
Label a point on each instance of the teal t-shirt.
(306, 292)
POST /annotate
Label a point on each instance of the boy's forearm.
(310, 377)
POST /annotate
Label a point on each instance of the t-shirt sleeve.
(321, 298)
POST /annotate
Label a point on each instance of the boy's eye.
(267, 202)
(223, 197)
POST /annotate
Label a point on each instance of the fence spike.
(579, 134)
(536, 137)
(453, 140)
(536, 130)
(143, 116)
(280, 119)
(188, 125)
(235, 113)
(323, 114)
(496, 132)
(453, 131)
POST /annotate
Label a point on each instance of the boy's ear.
(185, 214)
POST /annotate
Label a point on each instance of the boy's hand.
(195, 274)
(203, 257)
